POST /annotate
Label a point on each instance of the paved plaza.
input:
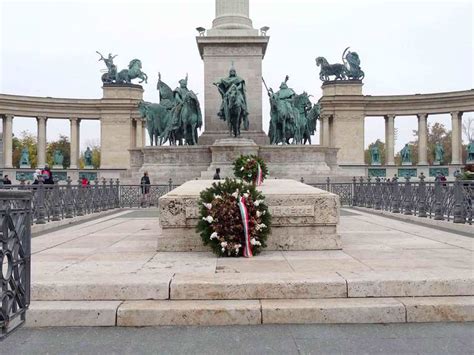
(431, 338)
(106, 272)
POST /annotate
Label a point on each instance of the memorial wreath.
(251, 169)
(234, 219)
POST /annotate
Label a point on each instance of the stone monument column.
(41, 148)
(75, 138)
(8, 141)
(456, 138)
(422, 139)
(232, 39)
(390, 140)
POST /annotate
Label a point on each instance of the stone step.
(244, 286)
(243, 312)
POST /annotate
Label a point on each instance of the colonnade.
(137, 139)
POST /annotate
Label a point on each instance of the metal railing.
(450, 201)
(440, 200)
(58, 201)
(15, 261)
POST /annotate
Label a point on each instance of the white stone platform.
(106, 272)
(303, 217)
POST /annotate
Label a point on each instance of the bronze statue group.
(177, 117)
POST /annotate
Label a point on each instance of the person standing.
(6, 180)
(47, 175)
(145, 187)
(217, 175)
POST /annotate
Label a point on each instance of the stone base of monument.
(88, 167)
(311, 162)
(25, 166)
(303, 217)
(60, 167)
(225, 152)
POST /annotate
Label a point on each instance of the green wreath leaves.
(220, 222)
(246, 168)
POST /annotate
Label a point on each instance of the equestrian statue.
(349, 70)
(176, 119)
(292, 117)
(233, 108)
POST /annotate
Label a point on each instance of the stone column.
(75, 140)
(422, 139)
(139, 133)
(41, 147)
(456, 145)
(7, 141)
(390, 140)
(325, 131)
(232, 14)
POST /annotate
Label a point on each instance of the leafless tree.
(468, 128)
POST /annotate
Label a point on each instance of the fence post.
(302, 180)
(56, 199)
(407, 206)
(328, 184)
(111, 194)
(103, 198)
(438, 210)
(170, 185)
(68, 198)
(354, 188)
(96, 196)
(458, 203)
(422, 196)
(40, 202)
(117, 193)
(361, 192)
(80, 198)
(377, 194)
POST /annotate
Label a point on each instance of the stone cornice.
(31, 106)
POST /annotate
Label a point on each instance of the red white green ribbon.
(245, 220)
(259, 179)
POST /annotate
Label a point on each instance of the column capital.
(74, 119)
(41, 118)
(456, 114)
(422, 115)
(390, 115)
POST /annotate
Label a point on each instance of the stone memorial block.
(303, 217)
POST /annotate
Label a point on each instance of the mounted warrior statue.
(234, 102)
(176, 118)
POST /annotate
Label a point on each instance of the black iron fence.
(450, 201)
(15, 262)
(58, 201)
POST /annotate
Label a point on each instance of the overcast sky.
(406, 47)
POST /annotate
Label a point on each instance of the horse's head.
(135, 64)
(321, 61)
(143, 108)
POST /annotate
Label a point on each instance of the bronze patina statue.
(125, 76)
(292, 116)
(234, 102)
(350, 70)
(176, 118)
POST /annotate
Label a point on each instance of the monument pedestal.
(303, 217)
(225, 152)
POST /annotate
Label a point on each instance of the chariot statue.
(349, 70)
(176, 118)
(233, 108)
(292, 117)
(125, 76)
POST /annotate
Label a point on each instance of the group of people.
(45, 173)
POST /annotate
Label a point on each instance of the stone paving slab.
(439, 309)
(337, 310)
(152, 313)
(257, 286)
(72, 314)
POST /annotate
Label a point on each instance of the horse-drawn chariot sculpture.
(349, 70)
(125, 76)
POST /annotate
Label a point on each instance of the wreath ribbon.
(259, 178)
(245, 220)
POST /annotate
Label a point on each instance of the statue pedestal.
(225, 152)
(60, 167)
(88, 167)
(436, 163)
(25, 166)
(303, 217)
(375, 164)
(245, 49)
(407, 163)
